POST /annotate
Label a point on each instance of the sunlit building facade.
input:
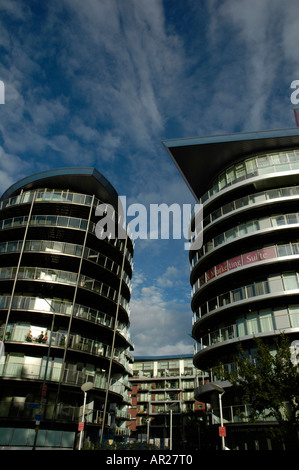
(64, 312)
(163, 410)
(245, 275)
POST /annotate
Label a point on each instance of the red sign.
(44, 390)
(234, 263)
(238, 261)
(222, 431)
(221, 268)
(81, 426)
(252, 257)
(210, 274)
(267, 253)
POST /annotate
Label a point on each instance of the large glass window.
(240, 171)
(266, 320)
(241, 327)
(294, 315)
(230, 175)
(251, 166)
(290, 281)
(263, 161)
(252, 323)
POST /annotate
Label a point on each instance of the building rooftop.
(82, 180)
(158, 358)
(200, 159)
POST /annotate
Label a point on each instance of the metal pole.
(221, 420)
(170, 431)
(18, 266)
(83, 420)
(147, 434)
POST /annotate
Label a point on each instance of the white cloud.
(170, 277)
(158, 324)
(12, 168)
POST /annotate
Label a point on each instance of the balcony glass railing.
(50, 246)
(24, 368)
(244, 229)
(57, 196)
(34, 334)
(64, 277)
(65, 308)
(256, 322)
(252, 167)
(289, 281)
(66, 413)
(239, 414)
(252, 199)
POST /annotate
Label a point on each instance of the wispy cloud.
(101, 83)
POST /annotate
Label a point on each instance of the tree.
(270, 385)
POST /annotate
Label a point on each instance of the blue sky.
(102, 83)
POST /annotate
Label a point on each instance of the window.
(294, 315)
(222, 181)
(266, 320)
(273, 194)
(224, 299)
(252, 323)
(280, 158)
(231, 234)
(290, 281)
(284, 250)
(252, 226)
(63, 221)
(212, 304)
(292, 219)
(241, 327)
(278, 220)
(261, 288)
(230, 175)
(219, 240)
(275, 284)
(240, 171)
(251, 166)
(263, 162)
(238, 294)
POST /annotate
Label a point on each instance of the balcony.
(20, 410)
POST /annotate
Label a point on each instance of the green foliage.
(270, 384)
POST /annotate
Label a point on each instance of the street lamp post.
(221, 419)
(170, 424)
(85, 387)
(220, 393)
(170, 430)
(148, 420)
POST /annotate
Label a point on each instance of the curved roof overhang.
(82, 180)
(200, 159)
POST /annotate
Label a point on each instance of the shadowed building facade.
(64, 311)
(245, 276)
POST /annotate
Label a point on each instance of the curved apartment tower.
(64, 312)
(245, 276)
